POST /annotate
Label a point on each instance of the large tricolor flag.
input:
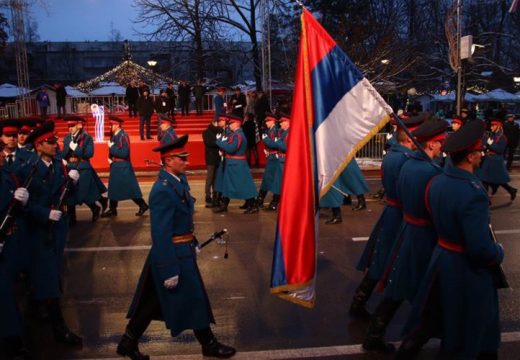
(335, 112)
(514, 6)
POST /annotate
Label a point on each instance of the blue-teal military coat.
(88, 190)
(122, 183)
(11, 324)
(43, 240)
(171, 214)
(168, 136)
(281, 146)
(271, 167)
(21, 157)
(236, 182)
(493, 169)
(351, 181)
(468, 298)
(382, 238)
(417, 237)
(219, 176)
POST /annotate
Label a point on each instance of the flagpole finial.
(299, 2)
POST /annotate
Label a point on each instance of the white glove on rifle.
(171, 283)
(264, 136)
(73, 145)
(489, 141)
(22, 195)
(55, 215)
(74, 175)
(224, 138)
(219, 136)
(110, 144)
(110, 161)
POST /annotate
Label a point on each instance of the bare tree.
(114, 34)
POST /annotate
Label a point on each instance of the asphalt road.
(104, 260)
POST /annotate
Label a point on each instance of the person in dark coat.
(198, 91)
(43, 100)
(457, 297)
(184, 92)
(145, 107)
(416, 239)
(493, 171)
(132, 94)
(162, 107)
(212, 157)
(237, 103)
(45, 227)
(374, 258)
(219, 103)
(170, 91)
(512, 133)
(170, 288)
(122, 182)
(61, 98)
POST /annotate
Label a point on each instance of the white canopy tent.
(498, 95)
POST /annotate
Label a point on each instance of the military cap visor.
(42, 133)
(10, 127)
(469, 137)
(165, 119)
(233, 118)
(497, 122)
(431, 131)
(27, 126)
(115, 120)
(413, 122)
(175, 148)
(73, 120)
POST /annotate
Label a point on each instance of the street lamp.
(151, 63)
(385, 61)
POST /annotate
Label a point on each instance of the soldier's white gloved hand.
(55, 215)
(388, 136)
(264, 136)
(266, 152)
(22, 195)
(219, 136)
(73, 145)
(171, 282)
(74, 175)
(109, 161)
(110, 144)
(64, 162)
(224, 138)
(384, 152)
(276, 138)
(489, 141)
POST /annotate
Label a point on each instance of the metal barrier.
(373, 149)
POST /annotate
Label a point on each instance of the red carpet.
(140, 151)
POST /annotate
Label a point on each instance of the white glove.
(224, 138)
(276, 138)
(55, 215)
(266, 152)
(264, 136)
(225, 105)
(219, 136)
(64, 162)
(388, 136)
(73, 145)
(110, 144)
(74, 175)
(489, 141)
(22, 195)
(171, 282)
(384, 152)
(109, 161)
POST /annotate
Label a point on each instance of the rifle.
(59, 206)
(8, 222)
(217, 235)
(497, 271)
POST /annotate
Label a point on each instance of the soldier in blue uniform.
(381, 240)
(457, 297)
(236, 182)
(167, 133)
(416, 239)
(26, 126)
(11, 328)
(122, 183)
(281, 146)
(45, 227)
(219, 176)
(78, 149)
(171, 288)
(493, 172)
(14, 156)
(269, 139)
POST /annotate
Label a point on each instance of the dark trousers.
(43, 112)
(210, 180)
(132, 109)
(199, 105)
(61, 110)
(510, 153)
(144, 119)
(185, 106)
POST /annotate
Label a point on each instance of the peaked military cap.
(115, 120)
(10, 126)
(27, 125)
(431, 130)
(175, 148)
(234, 118)
(163, 118)
(413, 122)
(43, 133)
(469, 137)
(284, 117)
(73, 120)
(496, 121)
(269, 117)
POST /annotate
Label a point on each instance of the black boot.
(244, 206)
(96, 210)
(511, 190)
(128, 347)
(379, 194)
(361, 296)
(362, 204)
(378, 323)
(347, 200)
(211, 347)
(214, 201)
(209, 201)
(104, 203)
(260, 198)
(224, 202)
(71, 211)
(252, 208)
(336, 217)
(60, 330)
(112, 209)
(273, 205)
(143, 206)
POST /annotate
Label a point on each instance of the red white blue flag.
(514, 6)
(335, 112)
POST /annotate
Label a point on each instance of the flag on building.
(335, 112)
(514, 6)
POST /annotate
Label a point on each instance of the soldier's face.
(455, 126)
(47, 148)
(475, 158)
(10, 140)
(284, 125)
(164, 125)
(22, 137)
(177, 165)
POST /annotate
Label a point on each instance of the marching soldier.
(78, 149)
(167, 133)
(237, 182)
(26, 127)
(417, 237)
(271, 167)
(14, 156)
(457, 296)
(46, 226)
(381, 240)
(218, 185)
(122, 183)
(170, 287)
(11, 327)
(281, 146)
